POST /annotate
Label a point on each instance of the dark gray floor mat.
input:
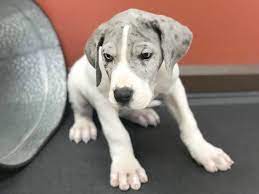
(63, 167)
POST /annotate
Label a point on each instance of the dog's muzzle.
(123, 95)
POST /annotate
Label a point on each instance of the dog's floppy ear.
(175, 39)
(92, 50)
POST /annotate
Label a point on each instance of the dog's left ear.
(175, 39)
(92, 50)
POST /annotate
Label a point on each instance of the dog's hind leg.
(83, 128)
(143, 117)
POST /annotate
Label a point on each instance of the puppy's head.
(133, 46)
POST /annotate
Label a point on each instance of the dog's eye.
(108, 57)
(145, 55)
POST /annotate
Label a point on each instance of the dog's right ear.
(92, 50)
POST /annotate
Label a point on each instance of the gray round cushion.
(32, 81)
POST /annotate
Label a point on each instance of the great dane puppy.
(128, 61)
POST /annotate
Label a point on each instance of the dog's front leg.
(211, 157)
(84, 95)
(125, 169)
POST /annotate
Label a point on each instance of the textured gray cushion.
(32, 81)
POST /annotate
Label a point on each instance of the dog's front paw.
(144, 117)
(210, 157)
(83, 129)
(127, 173)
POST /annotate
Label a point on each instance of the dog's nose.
(123, 95)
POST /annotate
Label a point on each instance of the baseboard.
(219, 78)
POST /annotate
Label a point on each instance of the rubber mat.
(63, 167)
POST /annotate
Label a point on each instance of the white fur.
(126, 172)
(124, 42)
(83, 129)
(209, 156)
(165, 81)
(144, 117)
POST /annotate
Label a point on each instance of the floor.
(63, 167)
